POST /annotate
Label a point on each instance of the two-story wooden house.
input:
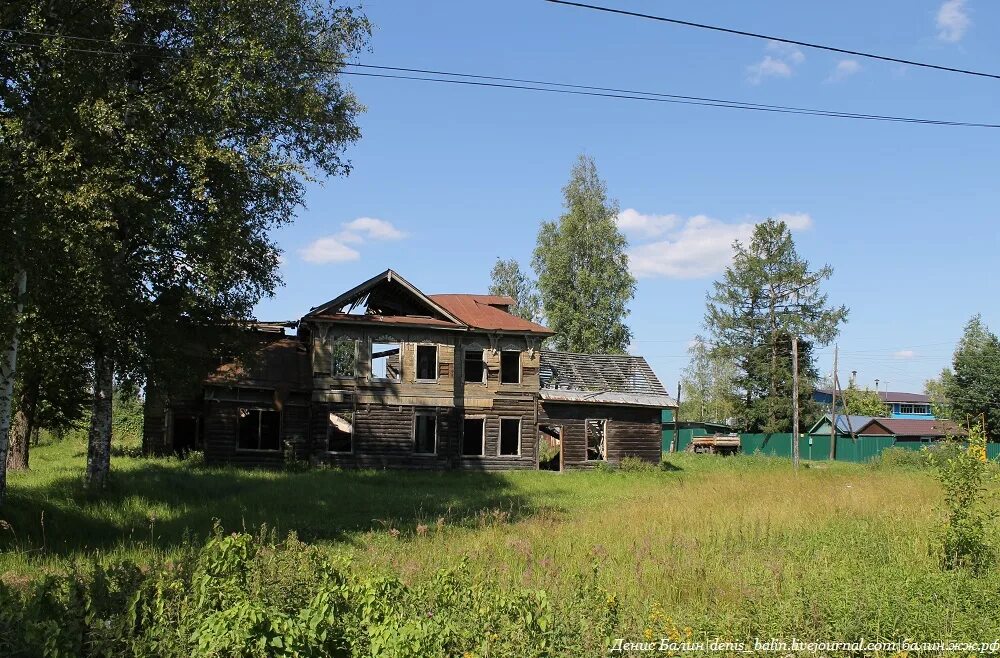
(384, 376)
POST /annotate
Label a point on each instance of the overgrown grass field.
(734, 548)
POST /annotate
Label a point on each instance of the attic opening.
(386, 295)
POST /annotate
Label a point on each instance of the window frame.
(384, 340)
(428, 414)
(357, 359)
(520, 436)
(520, 374)
(416, 363)
(281, 427)
(586, 437)
(329, 426)
(482, 448)
(465, 371)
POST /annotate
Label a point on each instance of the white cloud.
(780, 65)
(371, 228)
(768, 67)
(796, 221)
(328, 250)
(952, 21)
(701, 247)
(787, 51)
(334, 249)
(631, 220)
(904, 354)
(845, 68)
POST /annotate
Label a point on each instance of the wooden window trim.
(329, 425)
(386, 340)
(520, 436)
(520, 370)
(586, 437)
(465, 379)
(482, 450)
(260, 451)
(428, 414)
(416, 362)
(357, 357)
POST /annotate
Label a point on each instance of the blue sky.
(457, 176)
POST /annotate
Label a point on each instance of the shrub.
(635, 464)
(241, 595)
(962, 469)
(900, 458)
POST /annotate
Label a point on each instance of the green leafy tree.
(863, 402)
(974, 387)
(937, 390)
(508, 279)
(582, 268)
(707, 384)
(162, 167)
(767, 295)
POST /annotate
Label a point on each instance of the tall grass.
(731, 547)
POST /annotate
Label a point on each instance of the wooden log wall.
(631, 431)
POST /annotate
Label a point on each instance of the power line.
(523, 84)
(755, 35)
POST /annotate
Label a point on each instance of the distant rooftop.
(891, 396)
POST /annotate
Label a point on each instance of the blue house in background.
(900, 405)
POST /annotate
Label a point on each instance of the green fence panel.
(774, 445)
(993, 450)
(683, 439)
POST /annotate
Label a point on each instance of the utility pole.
(795, 402)
(677, 422)
(833, 407)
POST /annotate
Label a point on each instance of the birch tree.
(171, 153)
(582, 269)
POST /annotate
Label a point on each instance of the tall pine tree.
(767, 295)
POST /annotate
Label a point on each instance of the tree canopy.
(974, 386)
(154, 165)
(765, 297)
(582, 268)
(508, 279)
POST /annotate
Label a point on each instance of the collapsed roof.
(601, 379)
(388, 298)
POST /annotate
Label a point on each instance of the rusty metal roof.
(482, 312)
(600, 379)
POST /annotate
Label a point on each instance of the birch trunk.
(24, 423)
(99, 439)
(8, 371)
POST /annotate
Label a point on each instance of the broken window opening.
(258, 429)
(340, 432)
(425, 434)
(427, 363)
(510, 437)
(385, 361)
(475, 367)
(474, 437)
(510, 367)
(597, 439)
(549, 447)
(344, 358)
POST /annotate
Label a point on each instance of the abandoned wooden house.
(385, 376)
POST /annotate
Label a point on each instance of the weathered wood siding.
(631, 431)
(220, 418)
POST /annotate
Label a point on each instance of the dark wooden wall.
(220, 418)
(631, 431)
(383, 436)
